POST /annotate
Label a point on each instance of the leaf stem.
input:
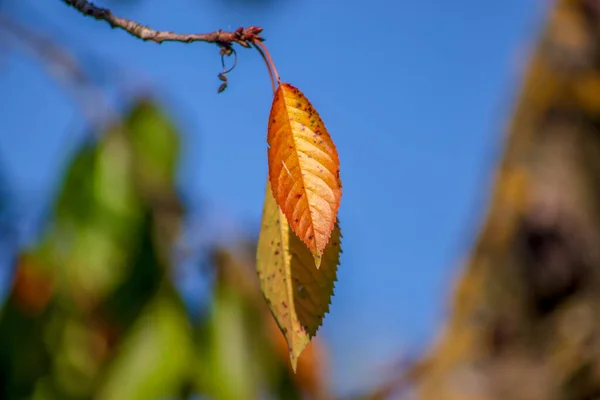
(273, 85)
(262, 45)
(264, 52)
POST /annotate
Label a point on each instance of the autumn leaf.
(297, 293)
(303, 168)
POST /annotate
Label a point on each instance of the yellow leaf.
(297, 293)
(303, 168)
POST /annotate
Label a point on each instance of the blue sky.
(414, 93)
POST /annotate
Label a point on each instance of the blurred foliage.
(93, 311)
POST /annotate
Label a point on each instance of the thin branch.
(44, 48)
(66, 68)
(242, 36)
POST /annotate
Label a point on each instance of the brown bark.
(525, 318)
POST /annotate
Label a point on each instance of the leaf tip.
(318, 257)
(294, 362)
(295, 352)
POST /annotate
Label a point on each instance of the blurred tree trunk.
(525, 317)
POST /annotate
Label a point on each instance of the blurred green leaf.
(96, 268)
(97, 220)
(238, 356)
(24, 356)
(155, 145)
(232, 353)
(100, 208)
(146, 273)
(154, 359)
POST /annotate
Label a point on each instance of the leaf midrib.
(305, 197)
(284, 230)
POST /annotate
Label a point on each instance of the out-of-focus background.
(131, 192)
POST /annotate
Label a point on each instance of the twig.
(242, 36)
(66, 69)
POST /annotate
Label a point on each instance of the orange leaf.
(303, 168)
